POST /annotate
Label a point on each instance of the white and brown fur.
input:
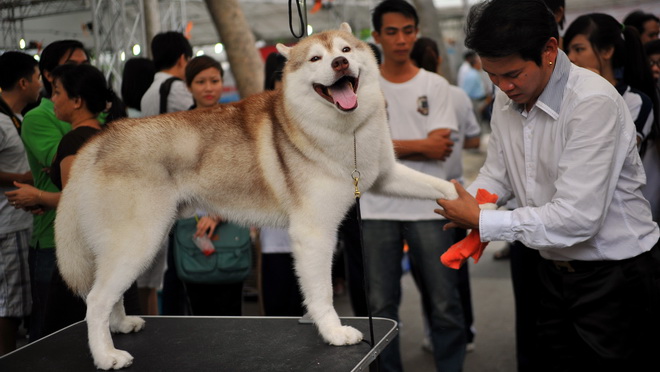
(281, 158)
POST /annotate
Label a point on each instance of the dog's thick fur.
(282, 158)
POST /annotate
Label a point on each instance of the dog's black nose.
(339, 64)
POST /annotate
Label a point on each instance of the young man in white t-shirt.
(20, 82)
(171, 53)
(421, 119)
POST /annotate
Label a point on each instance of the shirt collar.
(551, 97)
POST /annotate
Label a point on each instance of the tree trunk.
(236, 35)
(430, 27)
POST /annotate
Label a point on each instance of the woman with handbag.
(213, 297)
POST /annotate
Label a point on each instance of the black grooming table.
(233, 344)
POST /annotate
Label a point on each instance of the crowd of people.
(573, 155)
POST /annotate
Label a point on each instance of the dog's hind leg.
(313, 243)
(120, 323)
(117, 268)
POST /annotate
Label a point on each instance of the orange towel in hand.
(471, 246)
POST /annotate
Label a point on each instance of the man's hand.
(463, 212)
(438, 144)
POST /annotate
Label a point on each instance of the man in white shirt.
(421, 119)
(171, 52)
(168, 93)
(563, 145)
(20, 82)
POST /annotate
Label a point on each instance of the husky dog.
(285, 158)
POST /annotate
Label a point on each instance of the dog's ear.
(283, 49)
(346, 27)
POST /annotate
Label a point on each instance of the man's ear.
(376, 35)
(550, 50)
(182, 61)
(22, 83)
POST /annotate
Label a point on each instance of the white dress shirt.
(572, 164)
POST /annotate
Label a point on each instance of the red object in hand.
(471, 246)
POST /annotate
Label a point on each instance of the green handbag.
(230, 263)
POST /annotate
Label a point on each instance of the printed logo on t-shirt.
(423, 105)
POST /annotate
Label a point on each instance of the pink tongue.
(344, 96)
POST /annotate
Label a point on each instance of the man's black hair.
(502, 28)
(554, 6)
(392, 6)
(15, 66)
(652, 47)
(167, 47)
(637, 19)
(51, 56)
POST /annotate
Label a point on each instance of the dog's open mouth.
(341, 93)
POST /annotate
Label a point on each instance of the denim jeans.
(383, 244)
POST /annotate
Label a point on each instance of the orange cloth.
(471, 246)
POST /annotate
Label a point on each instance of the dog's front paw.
(488, 206)
(113, 359)
(449, 191)
(342, 335)
(127, 325)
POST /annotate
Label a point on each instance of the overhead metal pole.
(151, 23)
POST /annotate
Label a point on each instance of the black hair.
(392, 6)
(15, 66)
(273, 69)
(555, 6)
(425, 54)
(652, 47)
(603, 31)
(136, 79)
(51, 56)
(501, 28)
(637, 19)
(199, 64)
(88, 83)
(167, 47)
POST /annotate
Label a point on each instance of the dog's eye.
(315, 58)
(346, 49)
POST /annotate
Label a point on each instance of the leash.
(356, 180)
(302, 15)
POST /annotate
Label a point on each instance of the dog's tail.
(75, 258)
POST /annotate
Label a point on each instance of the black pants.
(64, 308)
(281, 293)
(215, 299)
(525, 263)
(173, 300)
(600, 316)
(349, 236)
